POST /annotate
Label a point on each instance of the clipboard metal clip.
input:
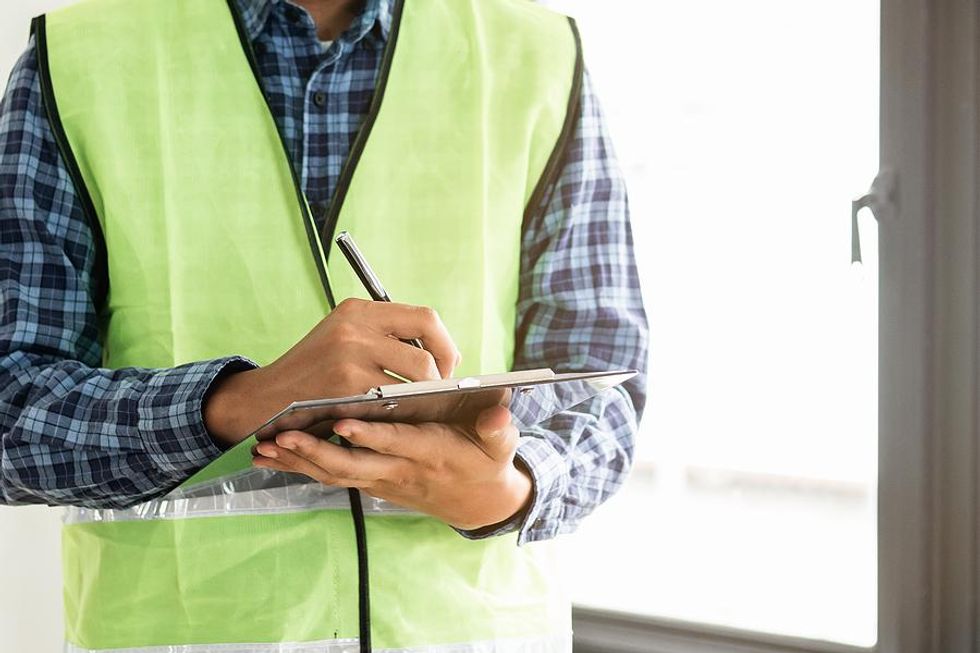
(396, 390)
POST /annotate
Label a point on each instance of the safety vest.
(210, 250)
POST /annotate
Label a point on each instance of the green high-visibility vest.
(210, 250)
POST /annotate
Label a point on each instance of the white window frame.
(929, 369)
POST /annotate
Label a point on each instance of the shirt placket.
(321, 96)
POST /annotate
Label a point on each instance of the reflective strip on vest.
(211, 252)
(258, 491)
(560, 644)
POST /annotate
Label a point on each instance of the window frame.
(929, 360)
(603, 631)
(928, 455)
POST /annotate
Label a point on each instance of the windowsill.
(600, 631)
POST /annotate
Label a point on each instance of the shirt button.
(319, 98)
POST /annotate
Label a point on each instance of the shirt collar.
(255, 14)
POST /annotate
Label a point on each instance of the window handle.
(880, 198)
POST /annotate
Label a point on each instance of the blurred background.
(744, 130)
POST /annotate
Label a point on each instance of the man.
(166, 288)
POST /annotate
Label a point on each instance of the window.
(744, 130)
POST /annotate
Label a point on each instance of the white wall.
(30, 571)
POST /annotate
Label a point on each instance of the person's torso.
(200, 185)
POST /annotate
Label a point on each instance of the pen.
(368, 278)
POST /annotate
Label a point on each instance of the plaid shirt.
(74, 433)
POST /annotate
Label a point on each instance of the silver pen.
(366, 274)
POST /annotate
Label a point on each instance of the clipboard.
(531, 395)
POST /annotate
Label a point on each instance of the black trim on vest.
(100, 274)
(311, 234)
(552, 170)
(356, 510)
(325, 239)
(360, 140)
(363, 577)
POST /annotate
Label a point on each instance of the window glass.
(744, 130)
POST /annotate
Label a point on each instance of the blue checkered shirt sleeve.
(580, 309)
(74, 433)
(71, 432)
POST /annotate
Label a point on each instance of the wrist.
(229, 407)
(515, 500)
(522, 489)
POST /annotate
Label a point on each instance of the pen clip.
(361, 267)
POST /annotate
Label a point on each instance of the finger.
(496, 432)
(283, 460)
(406, 322)
(384, 438)
(349, 378)
(356, 464)
(404, 360)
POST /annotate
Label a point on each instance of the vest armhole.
(100, 271)
(553, 168)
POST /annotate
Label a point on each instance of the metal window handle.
(880, 198)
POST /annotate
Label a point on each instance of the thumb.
(496, 432)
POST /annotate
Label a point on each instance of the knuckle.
(346, 331)
(425, 363)
(404, 483)
(402, 477)
(349, 305)
(353, 436)
(429, 314)
(306, 447)
(436, 467)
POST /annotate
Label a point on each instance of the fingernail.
(286, 444)
(269, 452)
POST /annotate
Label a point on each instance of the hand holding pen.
(351, 350)
(366, 274)
(462, 474)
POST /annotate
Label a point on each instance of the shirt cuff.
(171, 415)
(541, 520)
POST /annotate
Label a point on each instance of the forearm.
(71, 432)
(78, 435)
(577, 460)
